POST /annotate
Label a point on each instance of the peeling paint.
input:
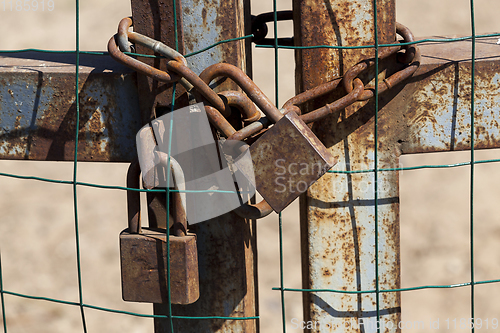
(428, 112)
(38, 116)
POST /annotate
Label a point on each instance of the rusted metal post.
(338, 212)
(226, 245)
(430, 112)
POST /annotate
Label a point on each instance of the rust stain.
(204, 16)
(154, 19)
(48, 132)
(340, 206)
(226, 248)
(430, 112)
(437, 103)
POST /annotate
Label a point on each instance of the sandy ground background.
(37, 226)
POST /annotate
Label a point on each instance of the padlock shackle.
(249, 211)
(228, 131)
(134, 197)
(244, 104)
(250, 129)
(120, 43)
(245, 83)
(219, 122)
(256, 211)
(178, 198)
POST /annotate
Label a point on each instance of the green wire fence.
(282, 288)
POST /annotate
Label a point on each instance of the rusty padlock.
(144, 256)
(288, 158)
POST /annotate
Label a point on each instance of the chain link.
(260, 30)
(411, 56)
(137, 65)
(122, 37)
(355, 89)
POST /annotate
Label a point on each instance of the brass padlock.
(144, 257)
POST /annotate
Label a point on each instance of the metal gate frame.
(350, 218)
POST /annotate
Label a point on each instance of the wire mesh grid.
(77, 186)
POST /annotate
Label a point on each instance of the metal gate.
(349, 219)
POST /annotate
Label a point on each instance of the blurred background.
(37, 237)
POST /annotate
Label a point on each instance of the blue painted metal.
(438, 108)
(338, 213)
(206, 23)
(37, 108)
(200, 31)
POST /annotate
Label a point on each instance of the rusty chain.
(411, 56)
(218, 106)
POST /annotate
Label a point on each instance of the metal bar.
(155, 19)
(37, 108)
(429, 112)
(36, 104)
(436, 102)
(226, 244)
(208, 22)
(337, 214)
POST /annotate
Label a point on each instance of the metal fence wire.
(376, 171)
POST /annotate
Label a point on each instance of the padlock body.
(144, 267)
(287, 160)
